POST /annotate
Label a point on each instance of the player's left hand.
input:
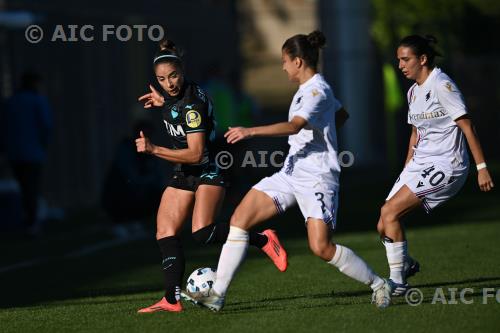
(484, 180)
(235, 134)
(143, 144)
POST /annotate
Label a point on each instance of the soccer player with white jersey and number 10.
(437, 163)
(309, 177)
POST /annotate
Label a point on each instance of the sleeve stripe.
(197, 130)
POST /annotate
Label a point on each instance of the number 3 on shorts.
(320, 197)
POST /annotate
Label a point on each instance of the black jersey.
(190, 112)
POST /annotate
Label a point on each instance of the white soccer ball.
(201, 280)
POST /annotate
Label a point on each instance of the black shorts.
(188, 178)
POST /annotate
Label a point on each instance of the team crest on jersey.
(428, 95)
(315, 92)
(193, 119)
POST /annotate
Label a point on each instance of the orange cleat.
(162, 305)
(275, 250)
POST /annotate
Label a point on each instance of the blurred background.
(87, 92)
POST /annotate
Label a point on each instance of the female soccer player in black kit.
(197, 187)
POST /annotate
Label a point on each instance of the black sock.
(173, 266)
(217, 233)
(257, 239)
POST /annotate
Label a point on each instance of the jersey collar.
(435, 71)
(313, 79)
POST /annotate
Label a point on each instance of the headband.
(165, 56)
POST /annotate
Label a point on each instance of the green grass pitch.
(103, 290)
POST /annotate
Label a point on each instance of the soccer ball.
(201, 280)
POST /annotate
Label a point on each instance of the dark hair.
(305, 47)
(168, 53)
(421, 45)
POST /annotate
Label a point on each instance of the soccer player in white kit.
(437, 163)
(309, 177)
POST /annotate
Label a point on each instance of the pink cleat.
(162, 305)
(275, 250)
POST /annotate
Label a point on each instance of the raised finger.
(153, 89)
(145, 96)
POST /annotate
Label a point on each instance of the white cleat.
(382, 296)
(186, 296)
(213, 301)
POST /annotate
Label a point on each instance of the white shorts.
(316, 198)
(433, 183)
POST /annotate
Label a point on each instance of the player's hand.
(154, 98)
(143, 145)
(235, 134)
(484, 180)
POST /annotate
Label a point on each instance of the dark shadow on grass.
(451, 283)
(333, 294)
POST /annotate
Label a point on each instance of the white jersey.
(433, 108)
(313, 151)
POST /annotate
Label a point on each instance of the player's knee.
(387, 214)
(322, 250)
(164, 229)
(164, 232)
(380, 226)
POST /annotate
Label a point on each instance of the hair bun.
(430, 39)
(316, 39)
(167, 45)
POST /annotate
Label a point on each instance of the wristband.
(481, 166)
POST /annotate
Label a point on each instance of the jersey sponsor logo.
(427, 115)
(193, 119)
(174, 130)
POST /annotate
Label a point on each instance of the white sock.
(231, 256)
(396, 255)
(354, 267)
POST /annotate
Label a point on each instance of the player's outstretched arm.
(191, 155)
(235, 134)
(483, 175)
